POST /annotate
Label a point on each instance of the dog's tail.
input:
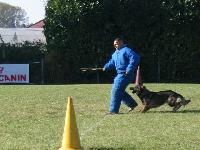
(185, 102)
(172, 101)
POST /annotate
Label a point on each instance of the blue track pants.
(118, 93)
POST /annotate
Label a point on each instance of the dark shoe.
(111, 113)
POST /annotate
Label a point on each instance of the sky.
(35, 9)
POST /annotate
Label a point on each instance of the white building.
(20, 35)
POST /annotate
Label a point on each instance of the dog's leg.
(185, 102)
(176, 107)
(177, 103)
(145, 108)
(180, 101)
(141, 109)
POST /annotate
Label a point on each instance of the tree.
(11, 16)
(80, 33)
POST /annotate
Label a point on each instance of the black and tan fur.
(155, 99)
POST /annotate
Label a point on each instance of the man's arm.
(109, 65)
(134, 60)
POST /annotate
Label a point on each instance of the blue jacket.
(124, 60)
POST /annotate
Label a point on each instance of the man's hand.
(126, 73)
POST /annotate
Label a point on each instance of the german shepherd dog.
(155, 99)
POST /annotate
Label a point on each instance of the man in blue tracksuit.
(125, 61)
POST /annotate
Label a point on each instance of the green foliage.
(25, 53)
(80, 33)
(11, 16)
(32, 118)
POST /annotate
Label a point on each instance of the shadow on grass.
(107, 148)
(180, 111)
(161, 111)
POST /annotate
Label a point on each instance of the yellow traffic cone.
(71, 140)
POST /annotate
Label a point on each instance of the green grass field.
(32, 118)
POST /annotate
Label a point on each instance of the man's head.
(118, 42)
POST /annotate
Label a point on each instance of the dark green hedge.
(80, 33)
(26, 53)
(166, 33)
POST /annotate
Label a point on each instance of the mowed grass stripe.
(32, 118)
